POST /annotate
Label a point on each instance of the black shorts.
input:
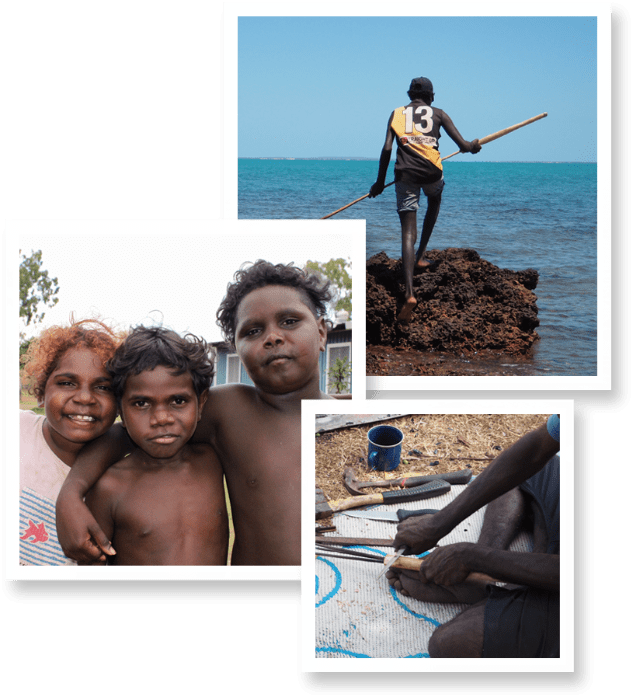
(525, 622)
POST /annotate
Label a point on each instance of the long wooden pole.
(482, 141)
(503, 132)
(352, 203)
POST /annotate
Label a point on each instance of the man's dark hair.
(313, 288)
(423, 95)
(144, 348)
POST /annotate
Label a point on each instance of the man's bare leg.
(408, 223)
(502, 521)
(461, 637)
(432, 211)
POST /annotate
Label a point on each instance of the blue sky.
(325, 86)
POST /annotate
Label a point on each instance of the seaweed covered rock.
(465, 305)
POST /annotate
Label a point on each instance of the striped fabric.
(38, 534)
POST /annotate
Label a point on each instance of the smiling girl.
(65, 368)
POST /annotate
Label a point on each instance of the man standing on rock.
(416, 127)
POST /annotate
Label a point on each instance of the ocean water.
(516, 215)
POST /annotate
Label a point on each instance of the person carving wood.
(521, 619)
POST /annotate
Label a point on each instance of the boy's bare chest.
(262, 455)
(167, 497)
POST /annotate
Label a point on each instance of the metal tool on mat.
(389, 516)
(330, 541)
(325, 508)
(354, 485)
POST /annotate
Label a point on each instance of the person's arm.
(449, 565)
(464, 145)
(99, 501)
(385, 157)
(512, 467)
(211, 414)
(79, 534)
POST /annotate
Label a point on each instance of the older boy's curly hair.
(144, 348)
(314, 289)
(45, 352)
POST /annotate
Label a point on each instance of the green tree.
(36, 288)
(337, 271)
(339, 375)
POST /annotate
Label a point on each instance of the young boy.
(164, 503)
(416, 127)
(274, 315)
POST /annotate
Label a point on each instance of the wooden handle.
(503, 132)
(352, 203)
(413, 564)
(355, 502)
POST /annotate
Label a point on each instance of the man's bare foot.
(407, 310)
(408, 583)
(423, 263)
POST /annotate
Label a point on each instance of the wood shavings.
(481, 434)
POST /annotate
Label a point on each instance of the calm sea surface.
(516, 215)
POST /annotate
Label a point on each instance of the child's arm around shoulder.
(100, 500)
(79, 535)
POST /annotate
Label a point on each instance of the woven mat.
(359, 615)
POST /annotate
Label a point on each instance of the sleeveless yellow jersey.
(417, 130)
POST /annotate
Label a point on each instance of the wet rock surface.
(472, 317)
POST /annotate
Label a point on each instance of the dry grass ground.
(28, 401)
(452, 441)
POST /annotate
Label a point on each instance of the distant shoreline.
(375, 159)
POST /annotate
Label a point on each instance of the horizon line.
(376, 159)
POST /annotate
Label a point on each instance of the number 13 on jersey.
(421, 119)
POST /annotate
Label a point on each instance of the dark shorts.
(525, 622)
(408, 194)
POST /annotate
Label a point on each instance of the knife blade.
(390, 516)
(395, 557)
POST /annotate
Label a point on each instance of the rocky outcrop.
(465, 305)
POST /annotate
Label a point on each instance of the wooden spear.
(482, 141)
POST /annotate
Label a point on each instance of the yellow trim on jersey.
(421, 144)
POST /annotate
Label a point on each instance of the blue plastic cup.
(384, 448)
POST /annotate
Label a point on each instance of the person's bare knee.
(462, 637)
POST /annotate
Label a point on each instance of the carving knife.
(390, 516)
(393, 559)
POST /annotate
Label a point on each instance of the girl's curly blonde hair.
(45, 352)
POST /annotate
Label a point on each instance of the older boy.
(163, 504)
(416, 127)
(275, 317)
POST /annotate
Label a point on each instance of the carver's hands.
(419, 534)
(78, 532)
(447, 566)
(376, 190)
